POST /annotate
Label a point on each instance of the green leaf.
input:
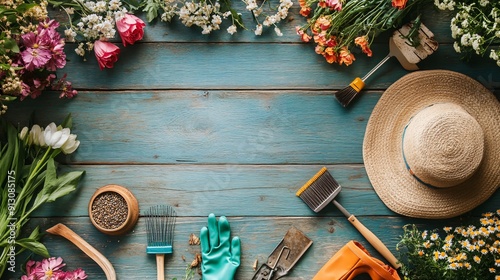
(34, 246)
(11, 44)
(68, 122)
(56, 187)
(25, 6)
(151, 8)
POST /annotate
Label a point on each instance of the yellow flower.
(420, 253)
(492, 270)
(427, 244)
(467, 265)
(477, 259)
(447, 229)
(434, 236)
(449, 237)
(424, 234)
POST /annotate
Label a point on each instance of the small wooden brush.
(160, 223)
(320, 190)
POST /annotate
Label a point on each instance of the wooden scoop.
(64, 231)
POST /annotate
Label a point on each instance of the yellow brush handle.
(160, 260)
(357, 84)
(375, 242)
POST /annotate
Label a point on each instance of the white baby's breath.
(475, 26)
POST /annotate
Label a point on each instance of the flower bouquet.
(28, 180)
(465, 252)
(31, 50)
(336, 26)
(475, 27)
(93, 23)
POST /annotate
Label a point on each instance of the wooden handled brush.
(320, 190)
(407, 54)
(160, 222)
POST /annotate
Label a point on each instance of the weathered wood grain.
(222, 127)
(211, 66)
(259, 236)
(234, 190)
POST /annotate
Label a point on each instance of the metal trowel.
(284, 256)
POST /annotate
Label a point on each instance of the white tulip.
(55, 137)
(23, 133)
(71, 145)
(36, 136)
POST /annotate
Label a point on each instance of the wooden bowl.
(113, 210)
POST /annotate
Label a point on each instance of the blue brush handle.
(159, 249)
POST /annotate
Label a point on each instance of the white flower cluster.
(270, 19)
(208, 15)
(475, 27)
(97, 22)
(204, 14)
(52, 136)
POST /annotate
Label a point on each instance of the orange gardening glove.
(353, 260)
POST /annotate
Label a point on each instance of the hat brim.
(382, 151)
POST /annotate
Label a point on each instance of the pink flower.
(36, 55)
(50, 268)
(77, 274)
(106, 54)
(334, 4)
(130, 28)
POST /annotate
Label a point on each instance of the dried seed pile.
(109, 210)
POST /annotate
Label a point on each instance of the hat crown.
(443, 145)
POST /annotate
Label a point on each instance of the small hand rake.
(160, 223)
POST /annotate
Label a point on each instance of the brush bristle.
(160, 223)
(348, 94)
(320, 190)
(345, 96)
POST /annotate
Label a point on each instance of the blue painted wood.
(211, 66)
(232, 125)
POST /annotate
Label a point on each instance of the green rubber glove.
(220, 255)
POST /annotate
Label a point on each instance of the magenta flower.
(106, 54)
(130, 28)
(51, 269)
(36, 55)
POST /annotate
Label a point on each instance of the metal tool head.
(288, 252)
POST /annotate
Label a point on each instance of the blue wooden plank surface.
(232, 125)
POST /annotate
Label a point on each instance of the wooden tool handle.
(160, 260)
(64, 231)
(375, 242)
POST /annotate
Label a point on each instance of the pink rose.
(106, 54)
(130, 28)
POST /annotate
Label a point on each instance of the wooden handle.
(375, 242)
(160, 260)
(64, 231)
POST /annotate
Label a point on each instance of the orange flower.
(323, 23)
(303, 35)
(330, 55)
(399, 4)
(305, 10)
(362, 42)
(345, 56)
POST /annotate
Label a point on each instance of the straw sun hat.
(432, 145)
